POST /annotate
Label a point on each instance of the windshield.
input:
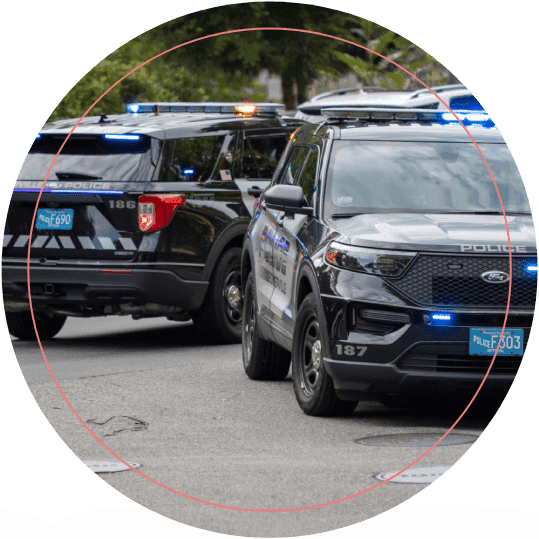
(372, 176)
(89, 157)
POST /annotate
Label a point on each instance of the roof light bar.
(467, 117)
(357, 114)
(207, 108)
(379, 114)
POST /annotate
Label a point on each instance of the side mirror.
(287, 198)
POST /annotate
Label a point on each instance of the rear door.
(88, 208)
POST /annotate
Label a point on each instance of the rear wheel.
(313, 386)
(219, 318)
(262, 360)
(20, 325)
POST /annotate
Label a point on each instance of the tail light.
(156, 211)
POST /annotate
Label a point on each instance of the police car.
(377, 262)
(143, 214)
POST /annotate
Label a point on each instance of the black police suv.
(377, 262)
(143, 214)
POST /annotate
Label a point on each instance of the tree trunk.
(287, 82)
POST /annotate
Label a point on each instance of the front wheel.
(20, 325)
(219, 318)
(313, 386)
(262, 360)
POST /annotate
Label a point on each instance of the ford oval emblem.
(495, 277)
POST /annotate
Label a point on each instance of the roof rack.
(438, 89)
(240, 109)
(386, 115)
(348, 90)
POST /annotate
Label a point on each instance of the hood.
(439, 232)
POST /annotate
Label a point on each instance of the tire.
(20, 325)
(313, 386)
(262, 360)
(219, 318)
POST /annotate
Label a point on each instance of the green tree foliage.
(224, 68)
(297, 57)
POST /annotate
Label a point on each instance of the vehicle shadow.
(432, 413)
(179, 334)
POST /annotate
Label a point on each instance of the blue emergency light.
(441, 318)
(129, 138)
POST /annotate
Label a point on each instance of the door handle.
(254, 191)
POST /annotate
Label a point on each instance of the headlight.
(374, 261)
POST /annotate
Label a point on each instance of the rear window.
(92, 157)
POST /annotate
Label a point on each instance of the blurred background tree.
(226, 68)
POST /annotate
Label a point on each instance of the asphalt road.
(158, 395)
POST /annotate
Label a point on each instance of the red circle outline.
(243, 508)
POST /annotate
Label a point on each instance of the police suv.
(377, 262)
(143, 214)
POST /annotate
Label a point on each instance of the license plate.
(483, 342)
(56, 219)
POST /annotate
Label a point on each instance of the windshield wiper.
(76, 176)
(344, 215)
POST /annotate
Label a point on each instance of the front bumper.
(418, 357)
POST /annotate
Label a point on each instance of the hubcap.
(232, 297)
(249, 329)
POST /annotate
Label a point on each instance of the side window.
(226, 162)
(190, 159)
(307, 179)
(261, 155)
(292, 169)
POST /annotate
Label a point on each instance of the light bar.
(122, 137)
(69, 191)
(188, 171)
(371, 114)
(380, 114)
(532, 267)
(207, 108)
(467, 118)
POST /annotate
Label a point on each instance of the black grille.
(454, 358)
(455, 281)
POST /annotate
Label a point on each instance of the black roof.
(165, 125)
